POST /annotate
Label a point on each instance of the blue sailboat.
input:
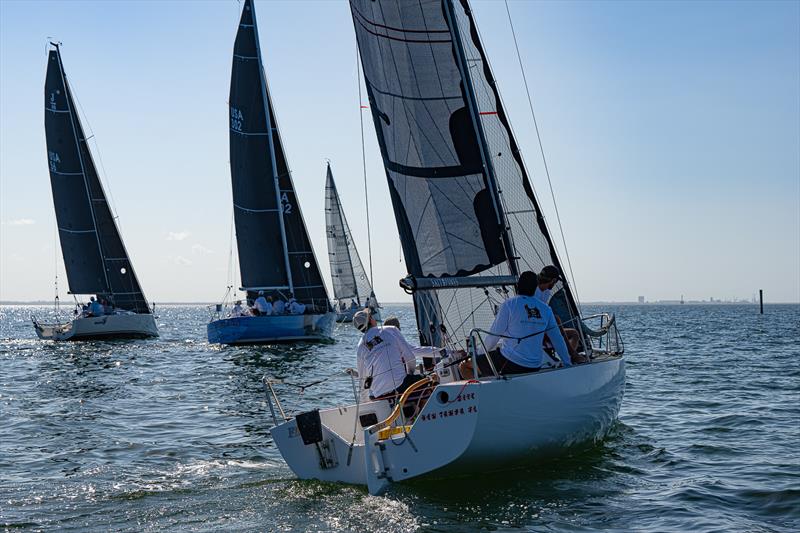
(276, 258)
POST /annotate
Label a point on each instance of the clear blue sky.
(672, 131)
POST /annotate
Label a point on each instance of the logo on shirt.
(376, 340)
(532, 313)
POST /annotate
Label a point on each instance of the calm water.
(172, 434)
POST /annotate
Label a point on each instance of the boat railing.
(384, 427)
(274, 402)
(606, 339)
(472, 349)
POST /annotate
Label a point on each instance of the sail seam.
(77, 231)
(256, 210)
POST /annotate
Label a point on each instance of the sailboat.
(352, 289)
(469, 223)
(276, 258)
(94, 256)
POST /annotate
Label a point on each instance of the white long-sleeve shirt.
(519, 317)
(296, 308)
(386, 356)
(263, 306)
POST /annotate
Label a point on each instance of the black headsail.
(275, 252)
(347, 272)
(94, 255)
(464, 207)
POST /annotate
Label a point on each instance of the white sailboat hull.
(118, 326)
(465, 427)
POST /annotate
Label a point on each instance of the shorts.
(503, 365)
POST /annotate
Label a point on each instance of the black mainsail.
(347, 272)
(94, 255)
(466, 213)
(275, 252)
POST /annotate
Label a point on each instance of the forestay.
(94, 255)
(347, 272)
(462, 200)
(275, 252)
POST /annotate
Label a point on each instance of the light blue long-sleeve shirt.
(521, 316)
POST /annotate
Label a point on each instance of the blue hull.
(269, 329)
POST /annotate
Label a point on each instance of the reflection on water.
(173, 433)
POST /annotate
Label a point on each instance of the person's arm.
(499, 327)
(556, 339)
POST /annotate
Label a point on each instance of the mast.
(270, 130)
(469, 89)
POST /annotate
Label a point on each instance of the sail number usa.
(236, 119)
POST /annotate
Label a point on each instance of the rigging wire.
(364, 166)
(541, 150)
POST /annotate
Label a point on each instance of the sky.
(671, 131)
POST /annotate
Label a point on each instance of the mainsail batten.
(94, 254)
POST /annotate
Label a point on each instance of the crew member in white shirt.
(262, 305)
(385, 360)
(237, 309)
(95, 307)
(279, 306)
(519, 328)
(295, 307)
(547, 279)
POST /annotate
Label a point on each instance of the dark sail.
(462, 200)
(275, 252)
(94, 255)
(444, 205)
(347, 272)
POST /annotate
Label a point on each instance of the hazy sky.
(672, 131)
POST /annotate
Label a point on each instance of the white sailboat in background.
(94, 254)
(469, 223)
(352, 289)
(276, 258)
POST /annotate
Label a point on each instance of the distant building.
(641, 299)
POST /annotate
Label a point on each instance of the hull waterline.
(465, 427)
(271, 329)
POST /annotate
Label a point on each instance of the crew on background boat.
(261, 305)
(278, 306)
(295, 307)
(353, 304)
(548, 278)
(385, 360)
(95, 307)
(237, 310)
(519, 328)
(392, 321)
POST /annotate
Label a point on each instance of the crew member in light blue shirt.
(518, 329)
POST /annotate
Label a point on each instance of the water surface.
(172, 433)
